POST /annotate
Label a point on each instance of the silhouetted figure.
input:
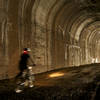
(24, 61)
(26, 74)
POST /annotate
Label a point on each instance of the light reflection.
(57, 74)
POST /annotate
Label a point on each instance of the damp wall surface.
(57, 36)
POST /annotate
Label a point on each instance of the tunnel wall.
(55, 30)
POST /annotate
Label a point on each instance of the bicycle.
(27, 79)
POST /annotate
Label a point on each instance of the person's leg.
(31, 78)
(19, 82)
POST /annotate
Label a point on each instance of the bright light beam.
(58, 74)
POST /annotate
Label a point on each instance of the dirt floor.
(76, 83)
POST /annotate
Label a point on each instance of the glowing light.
(96, 60)
(30, 67)
(58, 74)
(25, 52)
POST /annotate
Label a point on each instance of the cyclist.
(23, 68)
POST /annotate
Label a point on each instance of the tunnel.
(60, 33)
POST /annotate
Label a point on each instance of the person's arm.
(31, 61)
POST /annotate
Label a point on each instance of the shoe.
(18, 91)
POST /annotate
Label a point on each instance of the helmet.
(27, 49)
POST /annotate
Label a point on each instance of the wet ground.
(76, 83)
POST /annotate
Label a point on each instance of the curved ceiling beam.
(89, 32)
(80, 24)
(64, 18)
(51, 14)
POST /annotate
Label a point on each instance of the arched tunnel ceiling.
(66, 21)
(39, 24)
(72, 15)
(90, 31)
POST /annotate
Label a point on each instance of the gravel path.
(76, 83)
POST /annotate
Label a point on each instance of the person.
(24, 61)
(23, 66)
